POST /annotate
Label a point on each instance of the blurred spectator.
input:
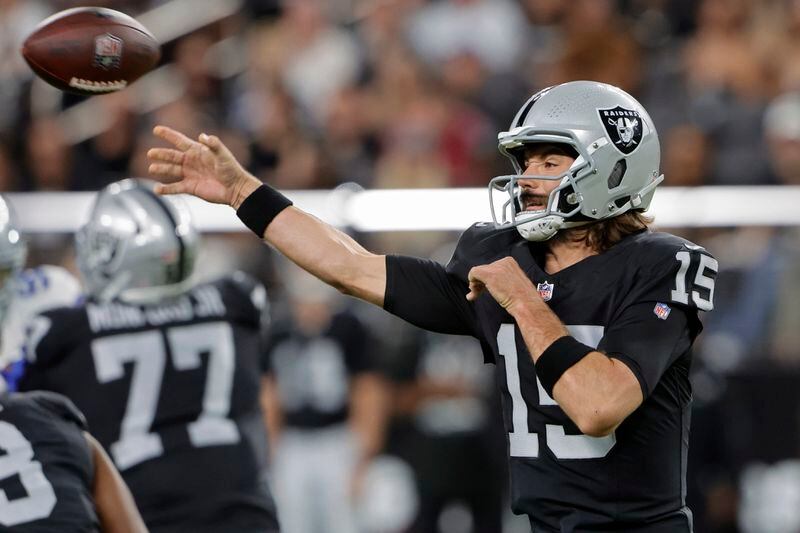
(771, 498)
(736, 336)
(112, 149)
(762, 324)
(382, 25)
(266, 113)
(410, 113)
(686, 156)
(325, 407)
(8, 172)
(410, 156)
(17, 20)
(49, 160)
(775, 26)
(598, 45)
(782, 129)
(546, 18)
(783, 135)
(192, 61)
(301, 164)
(185, 113)
(467, 146)
(728, 90)
(493, 31)
(312, 57)
(545, 12)
(348, 139)
(469, 84)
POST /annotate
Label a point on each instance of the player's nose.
(530, 183)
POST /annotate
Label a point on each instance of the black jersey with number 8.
(46, 470)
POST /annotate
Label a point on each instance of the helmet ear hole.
(567, 199)
(617, 173)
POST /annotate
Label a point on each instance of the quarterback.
(588, 315)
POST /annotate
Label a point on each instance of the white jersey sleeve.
(37, 290)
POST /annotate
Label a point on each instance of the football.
(90, 50)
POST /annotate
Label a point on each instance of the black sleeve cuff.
(635, 368)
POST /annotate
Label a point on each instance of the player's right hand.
(204, 168)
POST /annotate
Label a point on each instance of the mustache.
(531, 198)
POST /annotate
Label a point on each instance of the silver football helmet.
(13, 252)
(136, 245)
(617, 164)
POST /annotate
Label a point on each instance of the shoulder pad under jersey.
(480, 244)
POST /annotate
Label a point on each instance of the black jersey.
(172, 392)
(637, 302)
(313, 372)
(46, 467)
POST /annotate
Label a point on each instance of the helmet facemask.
(563, 203)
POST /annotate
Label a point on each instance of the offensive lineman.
(588, 315)
(167, 373)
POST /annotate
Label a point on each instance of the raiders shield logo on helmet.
(623, 126)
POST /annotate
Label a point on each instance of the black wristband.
(557, 359)
(258, 209)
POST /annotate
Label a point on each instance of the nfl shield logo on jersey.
(107, 51)
(545, 290)
(662, 311)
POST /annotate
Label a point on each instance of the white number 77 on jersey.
(147, 351)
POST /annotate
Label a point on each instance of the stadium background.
(385, 94)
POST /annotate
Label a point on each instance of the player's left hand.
(505, 281)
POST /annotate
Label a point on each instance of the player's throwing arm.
(206, 168)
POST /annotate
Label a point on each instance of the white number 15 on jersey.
(522, 442)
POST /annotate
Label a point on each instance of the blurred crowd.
(411, 93)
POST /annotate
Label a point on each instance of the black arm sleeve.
(423, 293)
(649, 345)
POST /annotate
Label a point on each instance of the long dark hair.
(602, 235)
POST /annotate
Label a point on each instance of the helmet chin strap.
(541, 229)
(545, 228)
